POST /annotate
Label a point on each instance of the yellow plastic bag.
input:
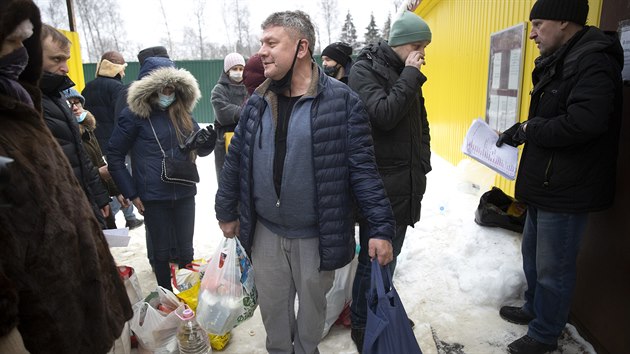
(228, 136)
(219, 342)
(190, 296)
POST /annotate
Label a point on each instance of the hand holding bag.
(387, 329)
(176, 171)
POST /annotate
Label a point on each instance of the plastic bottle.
(192, 339)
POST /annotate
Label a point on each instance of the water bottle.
(192, 339)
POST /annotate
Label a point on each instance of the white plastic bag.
(122, 345)
(132, 284)
(227, 296)
(340, 294)
(156, 329)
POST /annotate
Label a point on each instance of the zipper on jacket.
(546, 182)
(278, 203)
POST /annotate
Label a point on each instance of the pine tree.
(372, 35)
(386, 27)
(349, 33)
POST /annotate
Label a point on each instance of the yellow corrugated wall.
(75, 63)
(457, 65)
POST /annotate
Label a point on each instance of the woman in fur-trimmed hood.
(60, 291)
(157, 121)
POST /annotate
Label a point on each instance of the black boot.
(134, 223)
(515, 315)
(528, 345)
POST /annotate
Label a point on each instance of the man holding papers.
(568, 164)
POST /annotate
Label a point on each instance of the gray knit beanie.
(409, 28)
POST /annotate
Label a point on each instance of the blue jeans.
(551, 242)
(115, 205)
(128, 211)
(166, 220)
(361, 285)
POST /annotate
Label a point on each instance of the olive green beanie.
(409, 28)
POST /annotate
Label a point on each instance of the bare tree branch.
(168, 32)
(329, 15)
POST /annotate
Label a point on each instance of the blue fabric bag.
(387, 329)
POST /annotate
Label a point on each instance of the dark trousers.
(361, 284)
(166, 220)
(219, 156)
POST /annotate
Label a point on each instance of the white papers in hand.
(117, 237)
(480, 144)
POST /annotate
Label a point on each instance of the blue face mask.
(165, 100)
(81, 117)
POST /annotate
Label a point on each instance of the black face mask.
(13, 64)
(284, 84)
(331, 70)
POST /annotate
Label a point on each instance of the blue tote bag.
(387, 330)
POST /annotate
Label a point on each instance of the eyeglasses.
(77, 103)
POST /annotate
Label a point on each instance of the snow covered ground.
(452, 276)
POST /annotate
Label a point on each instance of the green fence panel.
(207, 73)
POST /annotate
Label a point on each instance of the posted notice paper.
(480, 144)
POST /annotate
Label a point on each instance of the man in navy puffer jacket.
(301, 156)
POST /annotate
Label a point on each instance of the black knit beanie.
(158, 51)
(560, 10)
(339, 52)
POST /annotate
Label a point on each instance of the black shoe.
(515, 315)
(528, 345)
(357, 337)
(134, 223)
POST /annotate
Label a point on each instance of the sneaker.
(134, 223)
(528, 345)
(515, 315)
(357, 335)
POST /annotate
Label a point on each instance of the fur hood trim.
(143, 96)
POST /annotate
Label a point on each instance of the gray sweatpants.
(283, 267)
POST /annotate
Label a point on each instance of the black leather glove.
(201, 139)
(514, 136)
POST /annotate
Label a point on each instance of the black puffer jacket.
(101, 95)
(393, 97)
(569, 160)
(65, 129)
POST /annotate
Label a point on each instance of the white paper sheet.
(117, 237)
(480, 144)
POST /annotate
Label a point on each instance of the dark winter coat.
(93, 149)
(569, 160)
(392, 95)
(58, 282)
(101, 95)
(64, 128)
(133, 134)
(343, 163)
(227, 100)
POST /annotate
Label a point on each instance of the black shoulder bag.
(176, 171)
